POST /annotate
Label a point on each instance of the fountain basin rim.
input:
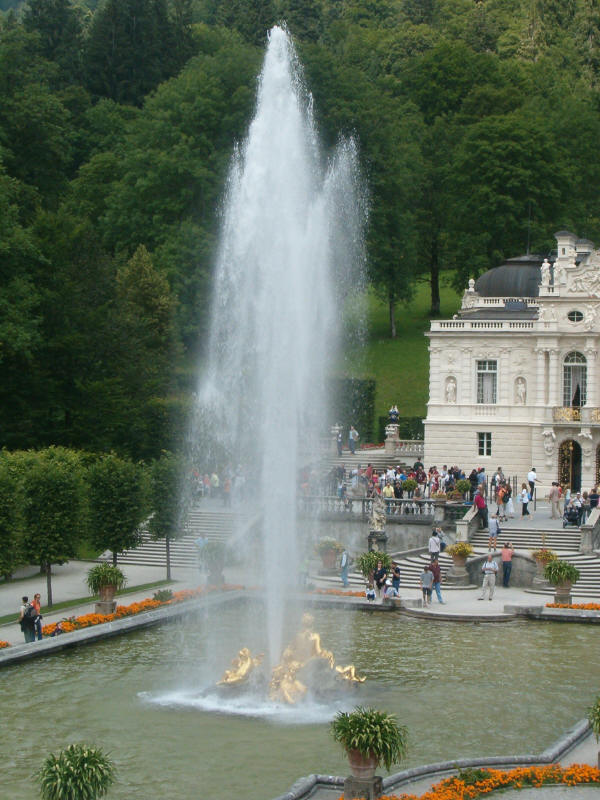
(304, 788)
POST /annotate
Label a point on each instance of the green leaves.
(372, 733)
(79, 772)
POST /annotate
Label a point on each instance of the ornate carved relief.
(585, 439)
(549, 444)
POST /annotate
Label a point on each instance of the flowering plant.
(473, 784)
(4, 644)
(460, 549)
(544, 555)
(328, 543)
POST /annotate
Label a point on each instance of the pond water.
(143, 698)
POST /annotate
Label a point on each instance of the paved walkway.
(68, 583)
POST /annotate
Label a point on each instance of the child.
(369, 592)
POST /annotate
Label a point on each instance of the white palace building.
(514, 379)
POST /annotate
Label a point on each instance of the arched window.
(574, 380)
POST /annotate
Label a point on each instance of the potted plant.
(463, 486)
(78, 772)
(562, 575)
(541, 558)
(329, 550)
(370, 738)
(594, 720)
(367, 562)
(214, 557)
(409, 486)
(460, 551)
(105, 580)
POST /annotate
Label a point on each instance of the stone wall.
(522, 574)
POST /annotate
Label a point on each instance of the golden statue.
(241, 667)
(305, 648)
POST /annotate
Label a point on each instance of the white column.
(555, 398)
(591, 395)
(540, 377)
(435, 379)
(468, 377)
(505, 378)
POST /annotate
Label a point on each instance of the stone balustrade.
(361, 508)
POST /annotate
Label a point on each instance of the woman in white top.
(524, 500)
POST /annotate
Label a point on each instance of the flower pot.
(329, 558)
(107, 593)
(362, 767)
(459, 561)
(562, 593)
(539, 579)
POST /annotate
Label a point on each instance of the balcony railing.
(566, 414)
(362, 507)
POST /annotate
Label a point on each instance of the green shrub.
(163, 595)
(594, 718)
(557, 572)
(367, 562)
(373, 733)
(463, 486)
(104, 574)
(78, 772)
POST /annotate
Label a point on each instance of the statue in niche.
(521, 391)
(545, 271)
(451, 390)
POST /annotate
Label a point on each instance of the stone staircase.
(565, 544)
(212, 524)
(411, 566)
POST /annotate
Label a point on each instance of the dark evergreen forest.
(479, 130)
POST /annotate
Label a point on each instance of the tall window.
(484, 441)
(487, 378)
(574, 380)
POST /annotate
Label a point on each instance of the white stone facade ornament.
(520, 391)
(541, 313)
(587, 282)
(451, 390)
(586, 439)
(589, 321)
(549, 443)
(471, 285)
(545, 272)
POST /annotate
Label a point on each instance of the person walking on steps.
(353, 437)
(490, 570)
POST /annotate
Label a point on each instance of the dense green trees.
(478, 131)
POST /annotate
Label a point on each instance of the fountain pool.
(141, 697)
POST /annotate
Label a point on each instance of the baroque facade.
(513, 377)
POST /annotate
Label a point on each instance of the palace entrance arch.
(569, 465)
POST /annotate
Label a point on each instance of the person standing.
(426, 582)
(434, 544)
(532, 479)
(379, 577)
(353, 437)
(395, 575)
(37, 604)
(524, 500)
(27, 619)
(507, 557)
(494, 530)
(344, 564)
(434, 568)
(554, 497)
(480, 504)
(339, 441)
(489, 569)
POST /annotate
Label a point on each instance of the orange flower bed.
(4, 644)
(489, 780)
(87, 620)
(583, 606)
(338, 592)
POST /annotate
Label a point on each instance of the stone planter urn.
(362, 767)
(457, 575)
(562, 593)
(329, 558)
(539, 581)
(107, 603)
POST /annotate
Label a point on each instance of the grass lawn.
(401, 365)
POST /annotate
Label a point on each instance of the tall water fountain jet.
(290, 243)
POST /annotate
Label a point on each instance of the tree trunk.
(392, 317)
(49, 583)
(168, 552)
(434, 271)
(114, 555)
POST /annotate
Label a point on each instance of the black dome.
(517, 277)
